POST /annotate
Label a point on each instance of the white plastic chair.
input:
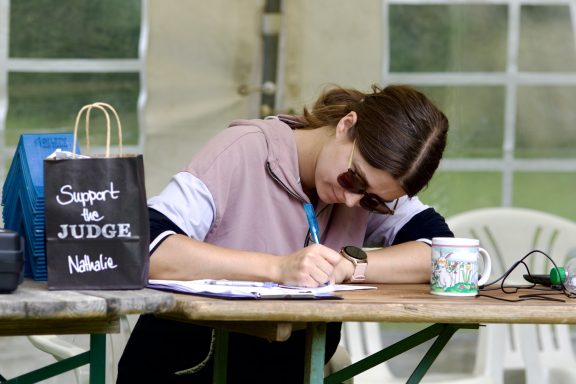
(61, 348)
(362, 339)
(544, 352)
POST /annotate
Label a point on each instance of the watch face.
(355, 252)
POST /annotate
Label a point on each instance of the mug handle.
(487, 266)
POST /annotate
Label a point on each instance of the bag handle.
(104, 107)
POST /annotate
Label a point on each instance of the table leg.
(98, 358)
(445, 334)
(51, 370)
(315, 351)
(443, 331)
(220, 356)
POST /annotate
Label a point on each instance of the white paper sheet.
(252, 289)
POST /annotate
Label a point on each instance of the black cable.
(512, 289)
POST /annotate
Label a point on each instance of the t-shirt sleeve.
(412, 221)
(160, 228)
(423, 227)
(185, 207)
(383, 229)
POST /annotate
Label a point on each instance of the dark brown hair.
(399, 130)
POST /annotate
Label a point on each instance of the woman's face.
(334, 159)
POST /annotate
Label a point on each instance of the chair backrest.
(508, 234)
(362, 340)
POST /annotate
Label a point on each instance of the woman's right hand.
(312, 266)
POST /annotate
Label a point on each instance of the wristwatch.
(360, 260)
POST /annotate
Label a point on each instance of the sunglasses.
(353, 182)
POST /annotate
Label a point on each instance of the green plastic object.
(557, 276)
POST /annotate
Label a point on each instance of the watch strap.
(359, 271)
(360, 265)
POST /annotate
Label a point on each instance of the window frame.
(511, 80)
(32, 65)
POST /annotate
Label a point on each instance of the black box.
(11, 260)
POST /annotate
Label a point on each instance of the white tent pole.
(270, 54)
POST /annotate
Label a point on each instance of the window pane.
(74, 28)
(48, 102)
(545, 125)
(454, 192)
(550, 192)
(547, 39)
(451, 38)
(476, 116)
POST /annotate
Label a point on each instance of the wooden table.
(33, 310)
(410, 303)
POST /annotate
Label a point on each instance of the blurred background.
(178, 71)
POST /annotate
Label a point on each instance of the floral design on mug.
(453, 275)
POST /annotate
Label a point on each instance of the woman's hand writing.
(312, 266)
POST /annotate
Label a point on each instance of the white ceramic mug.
(455, 266)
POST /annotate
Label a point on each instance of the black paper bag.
(97, 230)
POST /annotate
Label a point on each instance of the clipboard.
(239, 289)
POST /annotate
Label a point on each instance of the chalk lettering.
(93, 231)
(85, 264)
(68, 196)
(90, 215)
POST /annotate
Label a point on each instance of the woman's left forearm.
(403, 263)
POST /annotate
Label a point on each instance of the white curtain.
(200, 53)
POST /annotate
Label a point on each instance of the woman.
(236, 212)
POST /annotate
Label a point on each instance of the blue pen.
(312, 222)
